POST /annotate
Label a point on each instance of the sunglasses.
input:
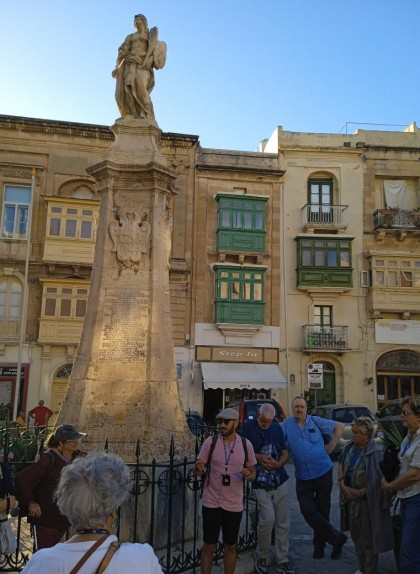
(406, 413)
(363, 422)
(224, 421)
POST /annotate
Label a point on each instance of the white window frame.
(60, 297)
(9, 295)
(19, 206)
(60, 213)
(401, 273)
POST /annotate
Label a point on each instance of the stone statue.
(138, 55)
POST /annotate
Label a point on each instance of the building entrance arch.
(397, 375)
(59, 388)
(327, 395)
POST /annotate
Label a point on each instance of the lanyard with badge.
(226, 476)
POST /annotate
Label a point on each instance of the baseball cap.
(229, 414)
(67, 432)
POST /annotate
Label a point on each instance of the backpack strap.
(89, 553)
(51, 463)
(113, 547)
(245, 447)
(212, 447)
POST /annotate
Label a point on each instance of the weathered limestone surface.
(123, 384)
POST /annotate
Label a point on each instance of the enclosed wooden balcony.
(9, 329)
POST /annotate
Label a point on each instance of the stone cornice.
(390, 148)
(34, 125)
(171, 139)
(58, 127)
(18, 171)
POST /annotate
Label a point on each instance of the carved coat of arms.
(130, 235)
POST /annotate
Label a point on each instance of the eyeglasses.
(406, 413)
(223, 421)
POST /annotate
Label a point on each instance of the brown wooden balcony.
(334, 339)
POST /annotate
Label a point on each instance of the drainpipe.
(25, 296)
(284, 290)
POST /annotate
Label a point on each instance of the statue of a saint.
(139, 54)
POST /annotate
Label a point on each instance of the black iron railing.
(403, 219)
(163, 510)
(331, 338)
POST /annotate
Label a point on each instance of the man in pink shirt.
(223, 489)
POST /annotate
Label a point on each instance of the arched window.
(397, 375)
(64, 372)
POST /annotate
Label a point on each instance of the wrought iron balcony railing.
(404, 219)
(325, 215)
(326, 338)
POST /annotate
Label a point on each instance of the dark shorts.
(215, 519)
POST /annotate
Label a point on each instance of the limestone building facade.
(50, 204)
(304, 254)
(351, 248)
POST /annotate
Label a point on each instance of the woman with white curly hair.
(89, 493)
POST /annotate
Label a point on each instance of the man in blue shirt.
(314, 472)
(270, 489)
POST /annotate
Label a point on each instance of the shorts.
(215, 519)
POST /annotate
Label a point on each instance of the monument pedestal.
(123, 385)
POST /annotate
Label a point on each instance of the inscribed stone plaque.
(125, 324)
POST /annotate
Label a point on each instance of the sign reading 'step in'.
(237, 354)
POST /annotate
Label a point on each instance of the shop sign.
(315, 376)
(240, 355)
(11, 371)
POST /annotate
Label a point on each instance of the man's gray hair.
(92, 488)
(267, 410)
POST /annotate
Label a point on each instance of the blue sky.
(235, 69)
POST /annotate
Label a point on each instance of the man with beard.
(230, 459)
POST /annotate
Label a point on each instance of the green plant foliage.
(392, 435)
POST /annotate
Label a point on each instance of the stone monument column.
(123, 385)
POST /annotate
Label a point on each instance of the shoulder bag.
(113, 547)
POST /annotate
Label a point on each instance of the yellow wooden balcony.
(60, 331)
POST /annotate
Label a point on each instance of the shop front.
(237, 377)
